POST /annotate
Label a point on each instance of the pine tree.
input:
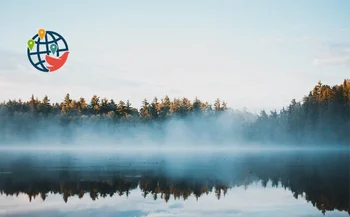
(33, 104)
(155, 109)
(45, 107)
(82, 106)
(164, 108)
(217, 105)
(145, 111)
(95, 105)
(196, 106)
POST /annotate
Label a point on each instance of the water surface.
(216, 183)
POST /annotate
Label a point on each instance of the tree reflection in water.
(321, 179)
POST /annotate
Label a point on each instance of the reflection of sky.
(253, 201)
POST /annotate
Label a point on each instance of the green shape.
(31, 43)
(53, 48)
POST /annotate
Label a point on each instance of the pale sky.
(254, 54)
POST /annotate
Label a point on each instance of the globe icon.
(41, 53)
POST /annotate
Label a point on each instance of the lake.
(286, 182)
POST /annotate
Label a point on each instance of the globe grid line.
(39, 58)
(47, 45)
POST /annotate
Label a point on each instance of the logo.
(47, 51)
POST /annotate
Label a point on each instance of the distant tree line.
(322, 116)
(150, 111)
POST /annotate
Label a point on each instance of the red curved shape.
(56, 63)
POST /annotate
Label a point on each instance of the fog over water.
(231, 128)
(227, 127)
(174, 164)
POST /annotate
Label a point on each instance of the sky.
(251, 54)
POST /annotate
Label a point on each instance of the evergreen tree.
(95, 105)
(145, 113)
(154, 109)
(45, 107)
(164, 108)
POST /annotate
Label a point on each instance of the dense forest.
(323, 116)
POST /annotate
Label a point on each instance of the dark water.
(261, 183)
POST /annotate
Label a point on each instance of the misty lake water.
(169, 183)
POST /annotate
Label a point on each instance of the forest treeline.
(323, 116)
